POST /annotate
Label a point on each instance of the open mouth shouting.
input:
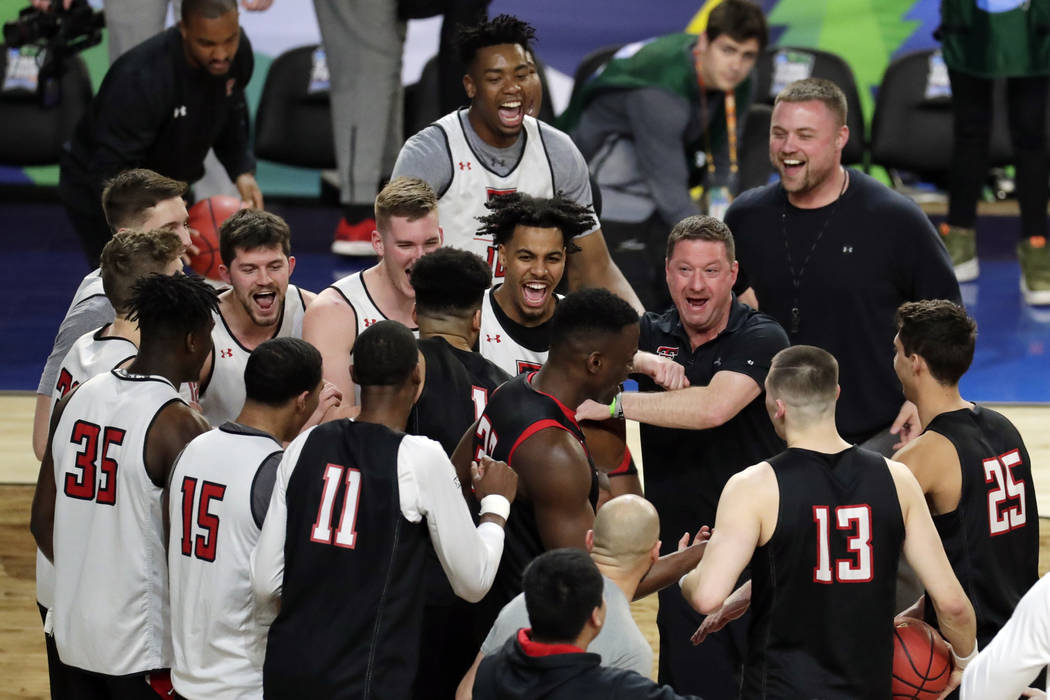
(697, 304)
(266, 301)
(535, 294)
(511, 113)
(791, 166)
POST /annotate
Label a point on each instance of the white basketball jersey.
(355, 292)
(473, 184)
(497, 342)
(90, 354)
(222, 395)
(111, 585)
(218, 644)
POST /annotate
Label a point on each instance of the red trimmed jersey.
(992, 537)
(516, 412)
(823, 587)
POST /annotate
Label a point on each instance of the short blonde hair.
(407, 197)
(817, 89)
(131, 255)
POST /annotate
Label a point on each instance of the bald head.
(625, 529)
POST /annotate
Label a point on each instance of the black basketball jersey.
(823, 587)
(351, 606)
(457, 389)
(992, 538)
(516, 412)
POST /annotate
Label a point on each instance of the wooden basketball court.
(23, 665)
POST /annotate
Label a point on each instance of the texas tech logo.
(497, 192)
(524, 366)
(667, 351)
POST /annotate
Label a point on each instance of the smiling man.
(660, 116)
(406, 212)
(494, 147)
(695, 439)
(162, 105)
(255, 247)
(533, 238)
(831, 253)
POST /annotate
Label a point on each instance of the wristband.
(496, 504)
(616, 407)
(962, 662)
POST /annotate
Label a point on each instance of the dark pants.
(83, 202)
(1026, 100)
(94, 686)
(711, 669)
(638, 249)
(57, 672)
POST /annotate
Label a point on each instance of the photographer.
(161, 106)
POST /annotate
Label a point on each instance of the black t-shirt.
(456, 390)
(878, 250)
(686, 470)
(351, 602)
(823, 587)
(995, 554)
(154, 111)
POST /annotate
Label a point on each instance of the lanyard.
(730, 106)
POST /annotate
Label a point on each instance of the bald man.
(623, 544)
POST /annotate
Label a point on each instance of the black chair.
(779, 65)
(34, 134)
(755, 168)
(913, 131)
(423, 103)
(589, 65)
(293, 125)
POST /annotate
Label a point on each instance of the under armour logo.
(718, 362)
(180, 111)
(228, 352)
(492, 338)
(847, 249)
(464, 166)
(370, 321)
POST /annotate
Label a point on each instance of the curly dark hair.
(517, 209)
(503, 29)
(170, 306)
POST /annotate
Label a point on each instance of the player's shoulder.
(330, 302)
(560, 147)
(930, 446)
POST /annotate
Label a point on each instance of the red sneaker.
(354, 239)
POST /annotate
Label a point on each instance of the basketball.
(206, 216)
(921, 663)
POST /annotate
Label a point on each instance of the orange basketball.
(921, 663)
(206, 216)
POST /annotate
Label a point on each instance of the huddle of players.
(530, 425)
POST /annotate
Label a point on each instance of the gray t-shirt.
(426, 156)
(90, 309)
(635, 142)
(620, 643)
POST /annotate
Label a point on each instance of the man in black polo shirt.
(161, 106)
(694, 439)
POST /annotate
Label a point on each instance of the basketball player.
(449, 285)
(529, 425)
(136, 199)
(112, 444)
(126, 257)
(255, 247)
(342, 549)
(218, 495)
(406, 229)
(494, 147)
(533, 236)
(822, 525)
(456, 383)
(971, 464)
